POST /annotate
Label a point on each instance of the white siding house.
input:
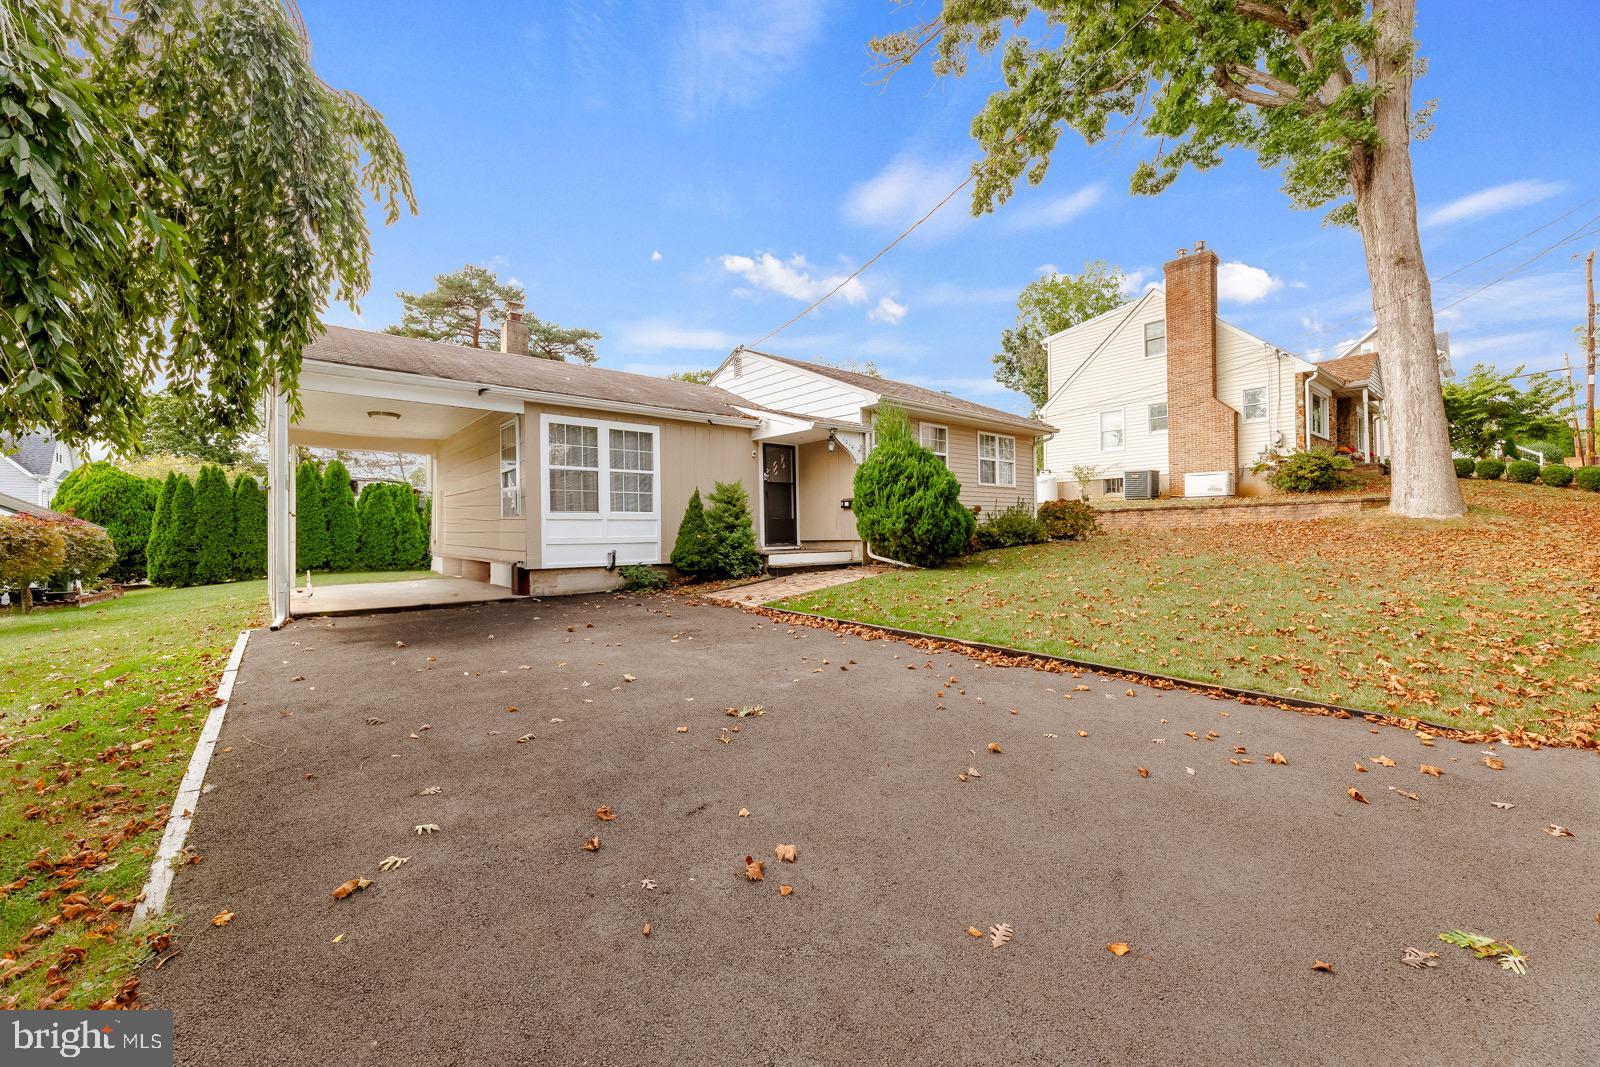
(32, 467)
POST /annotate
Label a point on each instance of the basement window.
(1155, 338)
(1113, 486)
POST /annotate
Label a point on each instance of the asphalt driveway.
(502, 941)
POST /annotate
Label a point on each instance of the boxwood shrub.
(1587, 478)
(1490, 469)
(1522, 471)
(1556, 474)
(1464, 467)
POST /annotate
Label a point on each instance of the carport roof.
(438, 359)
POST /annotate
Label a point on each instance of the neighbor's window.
(1319, 414)
(510, 471)
(997, 459)
(1255, 404)
(633, 464)
(1155, 338)
(1110, 430)
(936, 439)
(574, 468)
(1158, 417)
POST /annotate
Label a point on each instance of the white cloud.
(732, 51)
(655, 257)
(661, 335)
(1240, 283)
(791, 277)
(888, 311)
(1048, 214)
(1138, 282)
(903, 191)
(1493, 200)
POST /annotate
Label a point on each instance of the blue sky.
(685, 176)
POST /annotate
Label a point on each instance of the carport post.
(280, 524)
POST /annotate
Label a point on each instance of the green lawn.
(1491, 620)
(79, 689)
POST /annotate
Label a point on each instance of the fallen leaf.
(393, 863)
(994, 746)
(1132, 693)
(744, 813)
(973, 931)
(785, 890)
(646, 930)
(350, 887)
(1083, 733)
(431, 791)
(426, 828)
(1119, 948)
(753, 869)
(604, 813)
(1428, 768)
(1188, 770)
(1279, 758)
(1355, 794)
(1415, 957)
(524, 739)
(629, 678)
(1325, 968)
(1360, 769)
(1383, 761)
(1402, 792)
(1558, 831)
(647, 883)
(1494, 763)
(1502, 805)
(337, 938)
(1144, 772)
(222, 918)
(999, 934)
(681, 730)
(786, 853)
(592, 844)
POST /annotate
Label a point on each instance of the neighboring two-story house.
(34, 465)
(1163, 384)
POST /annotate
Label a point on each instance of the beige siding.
(964, 464)
(825, 479)
(467, 523)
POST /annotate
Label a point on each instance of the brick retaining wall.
(1180, 517)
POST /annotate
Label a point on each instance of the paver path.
(781, 588)
(502, 941)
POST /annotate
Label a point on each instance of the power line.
(852, 276)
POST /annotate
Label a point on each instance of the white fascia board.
(425, 389)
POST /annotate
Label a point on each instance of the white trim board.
(154, 898)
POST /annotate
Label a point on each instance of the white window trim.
(1149, 417)
(518, 497)
(1147, 338)
(1101, 432)
(603, 436)
(922, 439)
(1327, 417)
(997, 438)
(1244, 404)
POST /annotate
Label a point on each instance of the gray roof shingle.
(32, 452)
(437, 359)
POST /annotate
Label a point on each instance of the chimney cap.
(1182, 252)
(1199, 246)
(514, 310)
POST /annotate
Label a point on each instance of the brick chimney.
(514, 331)
(1202, 431)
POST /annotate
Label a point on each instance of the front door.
(778, 495)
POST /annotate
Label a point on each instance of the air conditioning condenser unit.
(1141, 485)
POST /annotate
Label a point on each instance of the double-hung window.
(574, 468)
(510, 470)
(936, 439)
(997, 459)
(1319, 415)
(1158, 417)
(1255, 404)
(1111, 430)
(1155, 338)
(633, 478)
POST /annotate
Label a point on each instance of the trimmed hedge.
(1558, 475)
(1464, 467)
(159, 547)
(249, 528)
(1067, 520)
(1490, 470)
(1522, 471)
(730, 534)
(1587, 478)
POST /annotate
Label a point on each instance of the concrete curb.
(154, 898)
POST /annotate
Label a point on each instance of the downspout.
(1308, 410)
(1366, 424)
(885, 559)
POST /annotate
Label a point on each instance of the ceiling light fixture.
(383, 414)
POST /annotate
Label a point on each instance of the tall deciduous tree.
(181, 426)
(1321, 87)
(1047, 306)
(182, 197)
(468, 307)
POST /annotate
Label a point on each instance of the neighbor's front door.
(778, 494)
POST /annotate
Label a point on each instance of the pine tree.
(409, 545)
(691, 552)
(375, 550)
(339, 505)
(214, 532)
(907, 502)
(184, 546)
(159, 547)
(249, 529)
(730, 532)
(310, 519)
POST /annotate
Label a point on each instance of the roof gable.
(34, 452)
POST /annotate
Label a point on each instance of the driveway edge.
(153, 901)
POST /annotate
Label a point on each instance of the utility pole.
(1572, 413)
(1588, 270)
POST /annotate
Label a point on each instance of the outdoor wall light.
(833, 441)
(383, 414)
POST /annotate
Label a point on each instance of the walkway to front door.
(775, 589)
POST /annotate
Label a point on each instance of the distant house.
(12, 505)
(1164, 384)
(33, 466)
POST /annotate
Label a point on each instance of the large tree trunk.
(1423, 477)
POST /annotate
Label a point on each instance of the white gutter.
(885, 559)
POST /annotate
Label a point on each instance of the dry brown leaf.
(593, 844)
(785, 890)
(1428, 768)
(1119, 948)
(1383, 761)
(1144, 772)
(744, 813)
(350, 887)
(1083, 733)
(1494, 763)
(1355, 794)
(1325, 968)
(754, 868)
(1402, 792)
(646, 930)
(1132, 693)
(994, 746)
(1080, 689)
(222, 918)
(604, 813)
(1502, 805)
(1558, 831)
(999, 934)
(524, 739)
(1278, 758)
(1360, 769)
(786, 853)
(681, 730)
(973, 931)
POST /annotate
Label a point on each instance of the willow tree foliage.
(1320, 88)
(180, 195)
